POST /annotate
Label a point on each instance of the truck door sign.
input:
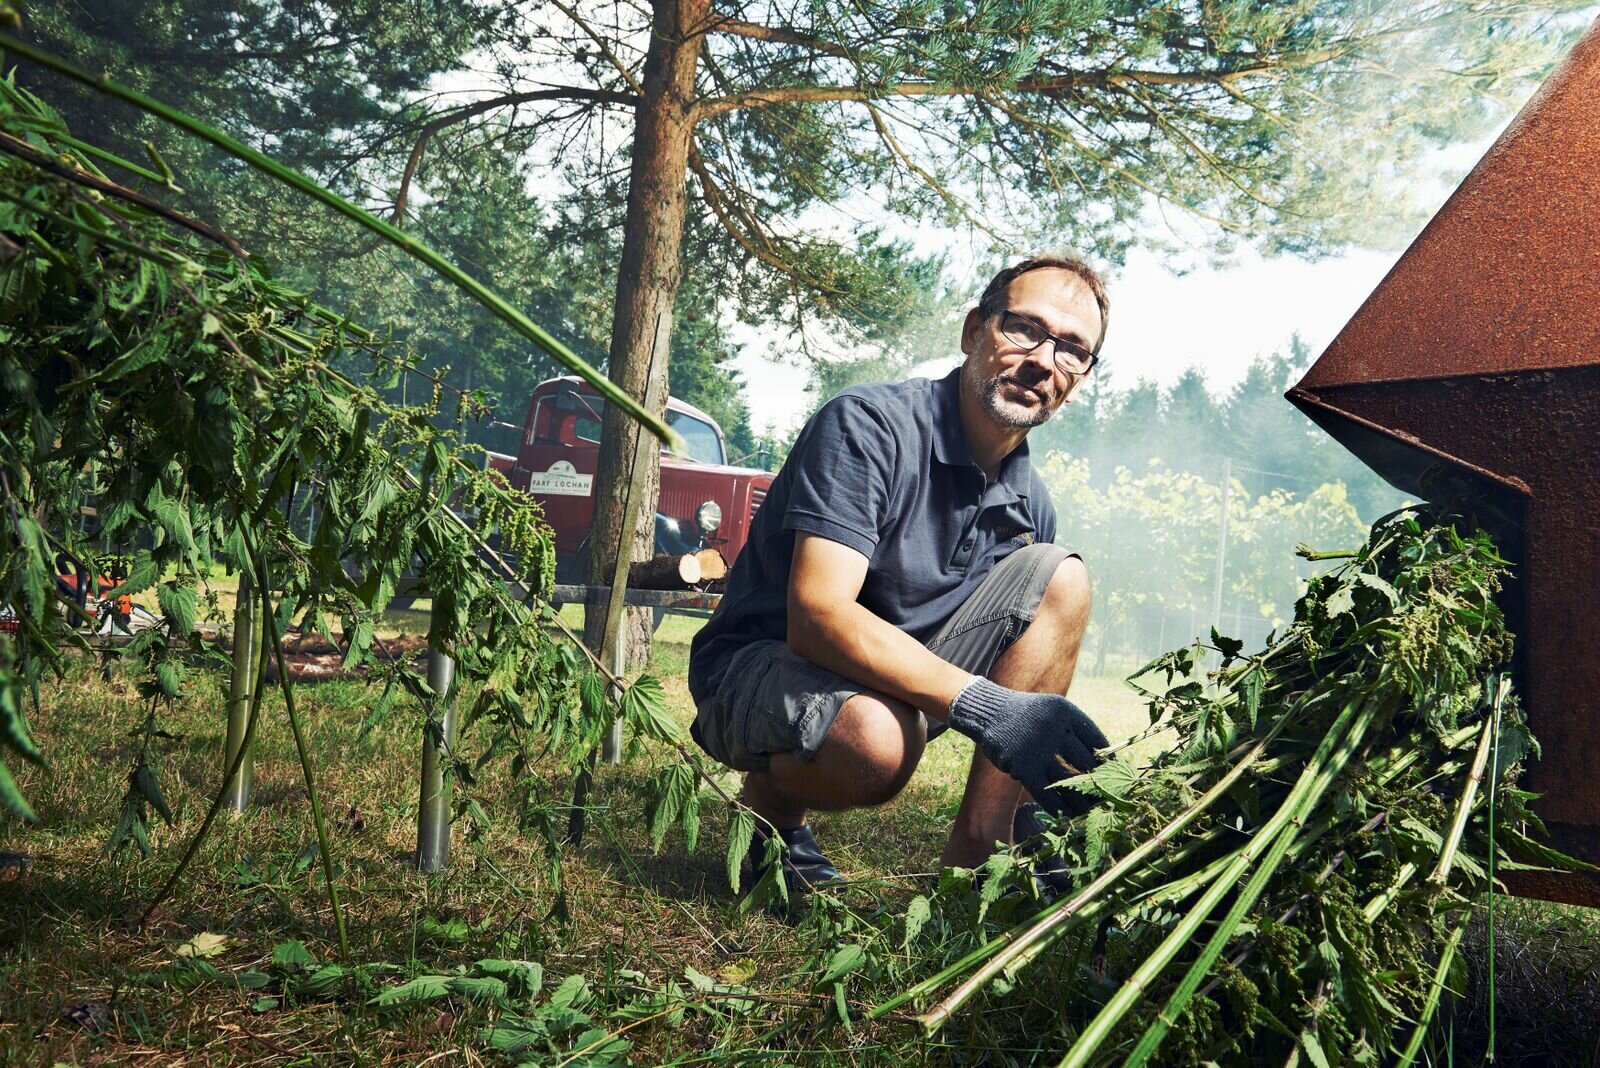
(561, 480)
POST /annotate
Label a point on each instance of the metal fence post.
(247, 635)
(433, 814)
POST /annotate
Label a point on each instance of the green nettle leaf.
(292, 954)
(526, 975)
(514, 1035)
(845, 960)
(146, 351)
(1253, 684)
(325, 980)
(677, 787)
(644, 708)
(479, 988)
(169, 678)
(179, 603)
(741, 832)
(1228, 647)
(1312, 1044)
(597, 711)
(12, 798)
(1373, 582)
(570, 993)
(144, 573)
(422, 989)
(691, 823)
(918, 912)
(1113, 779)
(1341, 602)
(21, 286)
(599, 1047)
(143, 781)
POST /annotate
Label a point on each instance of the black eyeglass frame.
(1058, 344)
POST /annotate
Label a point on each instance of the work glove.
(1025, 733)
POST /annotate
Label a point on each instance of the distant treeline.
(1266, 442)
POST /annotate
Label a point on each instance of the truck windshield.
(702, 438)
(705, 444)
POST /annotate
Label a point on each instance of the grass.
(70, 952)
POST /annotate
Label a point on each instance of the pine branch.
(605, 48)
(483, 107)
(778, 35)
(1101, 79)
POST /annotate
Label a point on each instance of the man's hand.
(1028, 736)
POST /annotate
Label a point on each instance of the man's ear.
(971, 331)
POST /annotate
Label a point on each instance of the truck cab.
(705, 502)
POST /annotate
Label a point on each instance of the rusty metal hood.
(1472, 374)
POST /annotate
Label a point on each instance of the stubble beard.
(1007, 413)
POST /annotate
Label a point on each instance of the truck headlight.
(708, 516)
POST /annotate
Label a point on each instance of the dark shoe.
(806, 868)
(1050, 874)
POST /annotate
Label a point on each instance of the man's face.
(1017, 388)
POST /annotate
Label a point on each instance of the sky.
(1161, 324)
(1218, 319)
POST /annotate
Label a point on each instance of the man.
(901, 577)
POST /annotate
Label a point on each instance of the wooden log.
(713, 565)
(665, 573)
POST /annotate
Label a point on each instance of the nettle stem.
(276, 638)
(1440, 973)
(1313, 780)
(1016, 945)
(1297, 809)
(1469, 793)
(246, 745)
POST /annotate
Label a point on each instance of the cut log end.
(665, 573)
(713, 565)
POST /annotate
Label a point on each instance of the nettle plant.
(155, 373)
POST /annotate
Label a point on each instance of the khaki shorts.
(771, 701)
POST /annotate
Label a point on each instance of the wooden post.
(247, 640)
(433, 813)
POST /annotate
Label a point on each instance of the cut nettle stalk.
(1312, 780)
(1434, 990)
(1469, 793)
(1317, 786)
(1059, 915)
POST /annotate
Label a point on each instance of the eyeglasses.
(1071, 358)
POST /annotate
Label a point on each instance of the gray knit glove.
(1025, 733)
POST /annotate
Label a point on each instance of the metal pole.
(1222, 542)
(433, 814)
(247, 633)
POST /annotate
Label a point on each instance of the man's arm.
(829, 627)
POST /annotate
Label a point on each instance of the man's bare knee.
(1069, 593)
(879, 742)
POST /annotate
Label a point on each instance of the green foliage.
(1172, 516)
(1347, 752)
(191, 398)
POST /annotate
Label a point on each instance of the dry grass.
(69, 944)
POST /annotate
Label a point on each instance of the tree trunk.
(647, 286)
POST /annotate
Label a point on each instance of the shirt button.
(967, 545)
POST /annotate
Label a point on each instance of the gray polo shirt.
(883, 469)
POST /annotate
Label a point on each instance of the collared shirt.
(884, 469)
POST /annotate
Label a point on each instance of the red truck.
(704, 503)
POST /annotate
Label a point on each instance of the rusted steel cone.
(1472, 375)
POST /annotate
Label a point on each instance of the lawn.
(80, 983)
